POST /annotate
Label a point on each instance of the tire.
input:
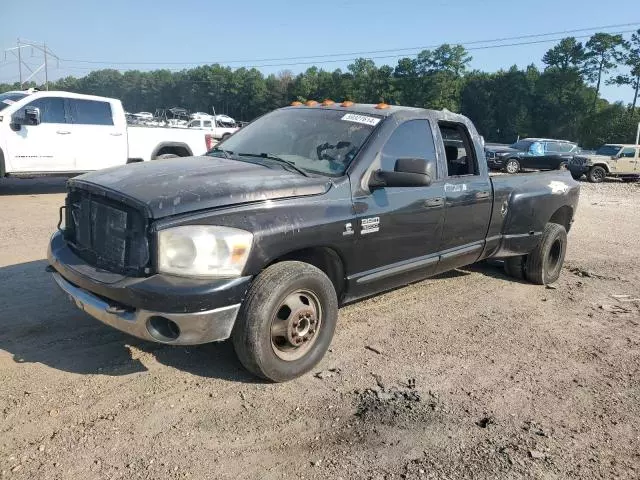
(164, 156)
(596, 174)
(544, 263)
(576, 176)
(276, 297)
(563, 166)
(514, 266)
(512, 166)
(225, 136)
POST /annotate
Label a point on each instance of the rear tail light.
(210, 141)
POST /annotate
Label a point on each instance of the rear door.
(468, 198)
(99, 134)
(46, 147)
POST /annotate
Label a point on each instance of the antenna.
(34, 46)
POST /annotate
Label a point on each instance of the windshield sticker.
(352, 117)
(8, 102)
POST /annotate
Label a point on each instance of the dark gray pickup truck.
(306, 209)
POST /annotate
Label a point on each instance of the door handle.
(63, 132)
(481, 195)
(434, 202)
(116, 134)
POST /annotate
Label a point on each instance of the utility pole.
(34, 46)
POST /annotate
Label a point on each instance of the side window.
(412, 139)
(91, 112)
(207, 123)
(566, 147)
(51, 109)
(552, 147)
(628, 152)
(461, 159)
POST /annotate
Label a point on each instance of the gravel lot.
(470, 374)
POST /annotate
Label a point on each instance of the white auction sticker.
(8, 101)
(352, 117)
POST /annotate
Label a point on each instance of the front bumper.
(495, 163)
(160, 308)
(578, 170)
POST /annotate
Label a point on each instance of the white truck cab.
(46, 133)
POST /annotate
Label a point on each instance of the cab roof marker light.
(327, 102)
(296, 104)
(311, 103)
(347, 103)
(382, 106)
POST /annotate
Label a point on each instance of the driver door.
(627, 162)
(398, 230)
(45, 147)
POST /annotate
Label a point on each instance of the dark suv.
(535, 153)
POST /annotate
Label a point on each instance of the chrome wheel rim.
(295, 325)
(512, 167)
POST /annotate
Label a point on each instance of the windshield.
(608, 150)
(316, 140)
(10, 98)
(522, 145)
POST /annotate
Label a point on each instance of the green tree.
(568, 54)
(603, 52)
(632, 61)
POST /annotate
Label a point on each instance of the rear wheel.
(512, 166)
(287, 321)
(544, 264)
(596, 174)
(225, 136)
(563, 166)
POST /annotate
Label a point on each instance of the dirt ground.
(468, 375)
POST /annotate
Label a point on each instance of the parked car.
(52, 133)
(213, 126)
(531, 153)
(610, 160)
(305, 209)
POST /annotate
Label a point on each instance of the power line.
(380, 57)
(474, 42)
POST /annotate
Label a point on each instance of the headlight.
(203, 251)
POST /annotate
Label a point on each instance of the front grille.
(106, 234)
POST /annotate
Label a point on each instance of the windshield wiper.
(276, 158)
(224, 152)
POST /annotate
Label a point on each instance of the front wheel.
(544, 264)
(576, 176)
(225, 136)
(287, 321)
(597, 174)
(512, 166)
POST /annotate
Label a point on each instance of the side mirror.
(31, 117)
(408, 172)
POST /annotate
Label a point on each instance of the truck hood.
(187, 184)
(592, 158)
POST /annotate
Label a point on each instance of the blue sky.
(200, 31)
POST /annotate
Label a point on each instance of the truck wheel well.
(180, 150)
(323, 258)
(563, 217)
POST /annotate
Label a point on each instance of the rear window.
(91, 112)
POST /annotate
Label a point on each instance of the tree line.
(561, 100)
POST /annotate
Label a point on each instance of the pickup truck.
(61, 133)
(306, 209)
(610, 160)
(212, 126)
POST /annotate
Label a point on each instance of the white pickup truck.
(59, 133)
(212, 126)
